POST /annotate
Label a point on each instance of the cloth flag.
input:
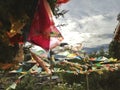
(43, 31)
(62, 1)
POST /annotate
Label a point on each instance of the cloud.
(91, 22)
(83, 30)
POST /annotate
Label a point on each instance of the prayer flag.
(62, 1)
(43, 31)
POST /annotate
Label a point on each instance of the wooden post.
(87, 81)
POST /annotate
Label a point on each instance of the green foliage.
(114, 49)
(106, 81)
(5, 80)
(109, 80)
(65, 86)
(27, 83)
(72, 78)
(30, 83)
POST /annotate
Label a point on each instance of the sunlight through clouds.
(89, 21)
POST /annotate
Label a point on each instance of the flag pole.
(51, 66)
(87, 81)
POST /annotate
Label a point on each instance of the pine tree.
(114, 47)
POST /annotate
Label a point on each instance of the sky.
(90, 22)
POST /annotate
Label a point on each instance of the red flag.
(62, 1)
(43, 28)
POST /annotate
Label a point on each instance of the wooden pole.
(51, 67)
(87, 81)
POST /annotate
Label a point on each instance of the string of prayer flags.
(41, 63)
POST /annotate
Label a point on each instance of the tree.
(14, 15)
(114, 47)
(15, 20)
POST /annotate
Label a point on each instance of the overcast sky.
(91, 22)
